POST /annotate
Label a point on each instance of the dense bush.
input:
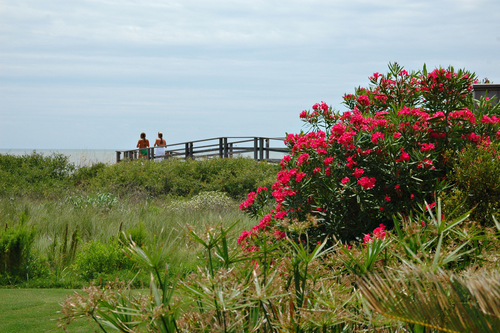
(476, 175)
(41, 176)
(391, 151)
(96, 258)
(35, 173)
(16, 253)
(235, 176)
(83, 175)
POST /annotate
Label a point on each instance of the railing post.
(230, 150)
(225, 148)
(186, 153)
(261, 149)
(191, 150)
(221, 148)
(255, 148)
(267, 149)
(118, 153)
(134, 153)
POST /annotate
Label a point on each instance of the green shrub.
(96, 258)
(84, 174)
(16, 259)
(184, 178)
(34, 174)
(476, 173)
(138, 234)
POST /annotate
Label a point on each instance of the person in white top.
(161, 144)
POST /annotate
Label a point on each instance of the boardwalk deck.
(260, 148)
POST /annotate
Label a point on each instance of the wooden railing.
(260, 148)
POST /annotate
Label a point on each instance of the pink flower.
(380, 233)
(376, 136)
(350, 162)
(249, 202)
(367, 183)
(486, 119)
(427, 147)
(302, 159)
(412, 197)
(425, 163)
(358, 172)
(243, 236)
(363, 100)
(303, 114)
(300, 176)
(474, 137)
(327, 160)
(345, 180)
(367, 152)
(397, 135)
(388, 198)
(285, 160)
(281, 215)
(404, 156)
(279, 234)
(260, 189)
(367, 238)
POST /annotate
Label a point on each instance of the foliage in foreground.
(441, 301)
(301, 286)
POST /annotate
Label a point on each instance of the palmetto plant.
(440, 301)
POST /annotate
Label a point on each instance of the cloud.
(99, 71)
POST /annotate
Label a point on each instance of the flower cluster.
(378, 233)
(355, 170)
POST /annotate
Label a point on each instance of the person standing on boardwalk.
(162, 144)
(160, 141)
(141, 144)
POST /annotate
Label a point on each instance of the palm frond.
(441, 301)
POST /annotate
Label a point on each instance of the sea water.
(79, 157)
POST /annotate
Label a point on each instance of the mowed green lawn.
(35, 310)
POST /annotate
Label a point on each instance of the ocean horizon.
(79, 157)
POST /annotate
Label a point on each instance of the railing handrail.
(223, 148)
(228, 137)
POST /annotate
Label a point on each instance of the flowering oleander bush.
(354, 170)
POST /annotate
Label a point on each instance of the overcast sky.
(78, 74)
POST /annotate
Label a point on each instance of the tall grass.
(68, 207)
(62, 228)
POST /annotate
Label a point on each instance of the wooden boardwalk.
(260, 148)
